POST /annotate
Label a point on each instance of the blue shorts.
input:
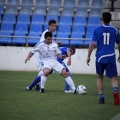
(111, 69)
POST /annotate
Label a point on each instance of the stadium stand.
(11, 9)
(41, 3)
(1, 9)
(83, 3)
(13, 2)
(55, 3)
(70, 3)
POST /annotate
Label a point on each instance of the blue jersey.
(105, 37)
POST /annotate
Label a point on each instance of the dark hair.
(106, 16)
(51, 22)
(48, 34)
(73, 49)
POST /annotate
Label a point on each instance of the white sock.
(70, 83)
(43, 81)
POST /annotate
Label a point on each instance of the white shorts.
(54, 65)
(39, 63)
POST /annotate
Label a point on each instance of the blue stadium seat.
(9, 18)
(63, 38)
(90, 29)
(21, 28)
(70, 3)
(64, 29)
(13, 2)
(65, 20)
(97, 3)
(33, 38)
(80, 20)
(55, 3)
(46, 27)
(68, 11)
(23, 18)
(86, 43)
(0, 19)
(19, 39)
(81, 12)
(83, 3)
(28, 2)
(11, 9)
(95, 12)
(94, 20)
(26, 9)
(77, 40)
(78, 29)
(7, 27)
(37, 19)
(5, 38)
(1, 9)
(36, 29)
(54, 10)
(2, 2)
(40, 10)
(49, 17)
(41, 3)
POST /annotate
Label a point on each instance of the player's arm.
(91, 47)
(69, 57)
(28, 57)
(61, 56)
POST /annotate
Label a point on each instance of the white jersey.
(42, 36)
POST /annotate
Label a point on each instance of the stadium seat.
(55, 3)
(9, 18)
(19, 39)
(1, 10)
(11, 9)
(36, 29)
(81, 12)
(0, 19)
(28, 2)
(77, 40)
(65, 20)
(40, 10)
(23, 18)
(41, 3)
(79, 20)
(95, 12)
(2, 2)
(70, 3)
(64, 29)
(54, 10)
(7, 27)
(26, 9)
(49, 17)
(21, 28)
(78, 29)
(46, 27)
(86, 43)
(94, 20)
(90, 29)
(33, 38)
(68, 11)
(5, 38)
(13, 2)
(97, 3)
(83, 3)
(37, 19)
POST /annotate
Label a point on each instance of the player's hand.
(59, 43)
(69, 62)
(87, 61)
(118, 59)
(63, 56)
(26, 60)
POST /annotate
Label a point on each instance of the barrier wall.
(12, 58)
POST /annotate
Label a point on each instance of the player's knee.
(46, 71)
(64, 74)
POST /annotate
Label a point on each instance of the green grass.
(54, 104)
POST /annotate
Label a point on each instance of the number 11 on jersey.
(106, 37)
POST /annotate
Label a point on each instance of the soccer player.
(68, 52)
(48, 51)
(105, 36)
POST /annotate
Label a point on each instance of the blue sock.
(36, 80)
(115, 89)
(67, 87)
(101, 95)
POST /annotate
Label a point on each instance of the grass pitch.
(54, 104)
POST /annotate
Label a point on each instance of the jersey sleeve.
(118, 38)
(35, 49)
(93, 37)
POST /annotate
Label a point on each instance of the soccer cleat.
(101, 100)
(68, 91)
(42, 90)
(75, 92)
(116, 98)
(37, 87)
(28, 89)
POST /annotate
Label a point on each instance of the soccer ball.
(81, 89)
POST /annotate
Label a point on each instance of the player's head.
(52, 25)
(72, 49)
(48, 38)
(106, 17)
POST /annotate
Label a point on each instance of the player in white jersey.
(48, 51)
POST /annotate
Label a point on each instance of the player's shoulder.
(39, 44)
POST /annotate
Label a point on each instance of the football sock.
(43, 81)
(69, 81)
(67, 87)
(101, 95)
(115, 89)
(36, 80)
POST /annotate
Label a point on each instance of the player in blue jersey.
(105, 37)
(68, 52)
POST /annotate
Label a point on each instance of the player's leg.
(111, 72)
(100, 87)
